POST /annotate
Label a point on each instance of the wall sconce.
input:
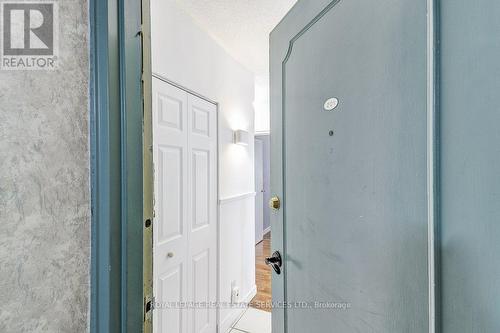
(241, 137)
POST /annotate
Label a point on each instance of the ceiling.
(241, 27)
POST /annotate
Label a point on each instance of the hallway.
(257, 318)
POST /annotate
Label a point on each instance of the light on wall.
(241, 137)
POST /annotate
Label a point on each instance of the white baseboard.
(227, 323)
(249, 297)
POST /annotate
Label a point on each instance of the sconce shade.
(241, 137)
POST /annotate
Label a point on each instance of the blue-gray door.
(352, 227)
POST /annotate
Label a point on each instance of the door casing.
(117, 192)
(259, 190)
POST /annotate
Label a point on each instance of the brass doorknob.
(275, 203)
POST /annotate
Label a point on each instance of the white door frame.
(189, 91)
(259, 164)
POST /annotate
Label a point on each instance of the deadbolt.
(275, 203)
(170, 255)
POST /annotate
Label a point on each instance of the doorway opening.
(263, 272)
(206, 154)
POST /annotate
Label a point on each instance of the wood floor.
(263, 273)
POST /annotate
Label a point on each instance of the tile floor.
(253, 321)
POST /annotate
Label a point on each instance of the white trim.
(238, 197)
(181, 87)
(251, 294)
(268, 229)
(219, 273)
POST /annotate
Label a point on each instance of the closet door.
(202, 214)
(185, 225)
(170, 227)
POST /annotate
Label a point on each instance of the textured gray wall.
(44, 188)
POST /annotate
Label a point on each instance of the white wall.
(187, 55)
(262, 105)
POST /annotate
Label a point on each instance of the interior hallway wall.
(262, 105)
(45, 186)
(187, 55)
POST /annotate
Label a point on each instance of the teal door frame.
(116, 166)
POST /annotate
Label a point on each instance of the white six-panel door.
(185, 224)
